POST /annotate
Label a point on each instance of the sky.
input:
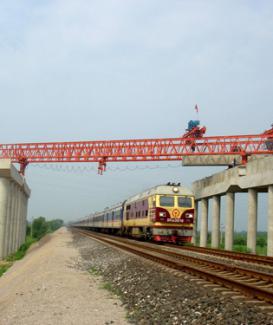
(117, 69)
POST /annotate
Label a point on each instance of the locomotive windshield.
(167, 201)
(184, 202)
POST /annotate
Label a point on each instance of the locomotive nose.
(175, 213)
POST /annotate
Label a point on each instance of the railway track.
(251, 258)
(253, 284)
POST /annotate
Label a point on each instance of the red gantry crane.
(192, 143)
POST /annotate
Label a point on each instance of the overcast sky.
(91, 70)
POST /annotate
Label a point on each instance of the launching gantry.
(192, 148)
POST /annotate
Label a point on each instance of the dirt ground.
(46, 287)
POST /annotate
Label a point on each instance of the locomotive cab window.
(184, 202)
(166, 201)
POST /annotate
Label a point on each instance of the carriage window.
(167, 201)
(184, 202)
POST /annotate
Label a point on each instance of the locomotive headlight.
(189, 215)
(162, 214)
(175, 189)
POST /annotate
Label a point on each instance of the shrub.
(261, 241)
(39, 227)
(54, 224)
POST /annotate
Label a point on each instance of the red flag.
(196, 108)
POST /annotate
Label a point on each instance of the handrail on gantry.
(164, 149)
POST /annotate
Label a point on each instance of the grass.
(261, 250)
(105, 285)
(4, 266)
(94, 271)
(7, 263)
(240, 240)
(22, 250)
(109, 287)
(241, 249)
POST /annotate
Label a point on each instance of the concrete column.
(9, 248)
(195, 225)
(8, 224)
(26, 212)
(229, 233)
(270, 222)
(24, 218)
(204, 223)
(252, 220)
(13, 218)
(16, 219)
(215, 233)
(19, 216)
(4, 192)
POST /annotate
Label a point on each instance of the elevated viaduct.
(255, 177)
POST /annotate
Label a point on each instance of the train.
(163, 213)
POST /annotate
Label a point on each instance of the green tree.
(55, 224)
(39, 227)
(239, 239)
(262, 241)
(28, 229)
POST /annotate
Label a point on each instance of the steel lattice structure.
(168, 149)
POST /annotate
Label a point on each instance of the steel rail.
(252, 258)
(196, 260)
(158, 256)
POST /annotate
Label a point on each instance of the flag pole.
(197, 111)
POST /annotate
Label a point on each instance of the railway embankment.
(48, 287)
(153, 294)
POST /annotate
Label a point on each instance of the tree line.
(40, 227)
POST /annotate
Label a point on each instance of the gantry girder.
(165, 149)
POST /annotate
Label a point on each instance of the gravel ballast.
(154, 295)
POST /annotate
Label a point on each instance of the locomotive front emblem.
(175, 213)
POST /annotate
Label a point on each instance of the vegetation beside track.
(240, 242)
(105, 285)
(34, 232)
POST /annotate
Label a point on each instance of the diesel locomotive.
(164, 213)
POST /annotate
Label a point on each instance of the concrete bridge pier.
(204, 223)
(8, 224)
(270, 222)
(13, 219)
(195, 225)
(252, 220)
(229, 232)
(215, 233)
(4, 195)
(14, 194)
